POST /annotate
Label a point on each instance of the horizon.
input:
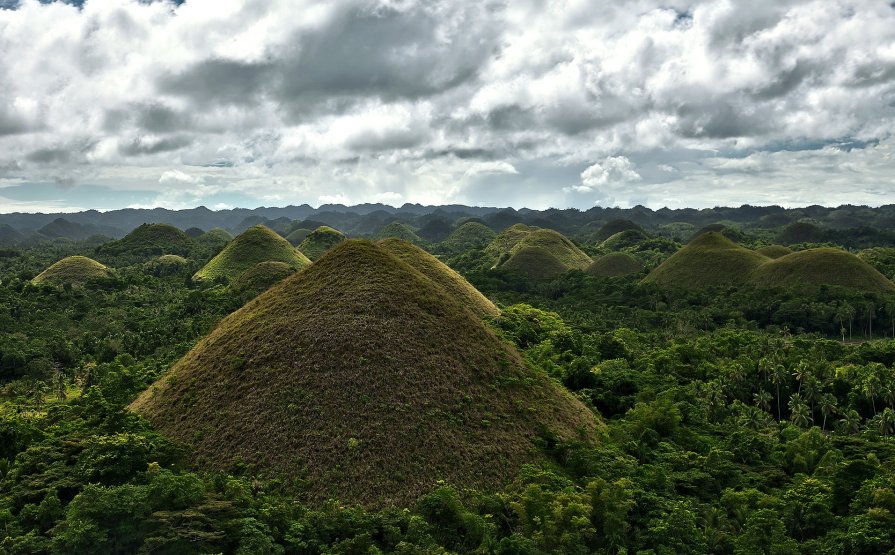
(678, 104)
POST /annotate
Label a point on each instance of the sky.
(528, 103)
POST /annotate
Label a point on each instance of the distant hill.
(399, 230)
(449, 280)
(774, 251)
(319, 241)
(615, 265)
(9, 236)
(262, 276)
(535, 262)
(624, 240)
(62, 228)
(296, 236)
(800, 232)
(361, 379)
(149, 240)
(614, 227)
(73, 270)
(254, 245)
(816, 267)
(709, 260)
(518, 237)
(470, 235)
(166, 265)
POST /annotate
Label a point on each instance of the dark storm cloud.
(216, 80)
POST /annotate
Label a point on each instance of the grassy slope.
(535, 263)
(815, 267)
(624, 239)
(263, 276)
(399, 231)
(518, 237)
(614, 265)
(449, 280)
(365, 380)
(774, 251)
(471, 235)
(150, 238)
(216, 235)
(708, 260)
(76, 270)
(296, 236)
(254, 245)
(319, 241)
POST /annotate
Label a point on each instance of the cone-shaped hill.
(614, 227)
(254, 245)
(399, 230)
(615, 265)
(536, 263)
(216, 235)
(518, 237)
(439, 272)
(319, 241)
(709, 260)
(263, 276)
(296, 236)
(816, 267)
(471, 235)
(774, 251)
(74, 270)
(361, 379)
(149, 240)
(624, 240)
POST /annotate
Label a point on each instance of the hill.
(74, 270)
(800, 232)
(319, 241)
(296, 236)
(615, 265)
(262, 276)
(449, 280)
(399, 231)
(624, 240)
(816, 267)
(8, 235)
(537, 263)
(708, 260)
(216, 235)
(149, 240)
(254, 245)
(774, 251)
(362, 380)
(517, 237)
(166, 265)
(613, 227)
(471, 235)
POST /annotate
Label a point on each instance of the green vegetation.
(319, 241)
(167, 265)
(614, 227)
(401, 231)
(148, 241)
(256, 244)
(471, 235)
(296, 236)
(816, 267)
(262, 276)
(799, 232)
(624, 240)
(449, 280)
(369, 383)
(72, 270)
(535, 263)
(774, 251)
(709, 260)
(518, 237)
(615, 265)
(216, 235)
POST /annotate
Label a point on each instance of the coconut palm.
(827, 407)
(798, 411)
(778, 376)
(763, 400)
(850, 423)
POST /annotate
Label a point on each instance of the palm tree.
(59, 384)
(778, 375)
(887, 421)
(798, 411)
(827, 407)
(801, 373)
(811, 393)
(869, 387)
(763, 400)
(850, 422)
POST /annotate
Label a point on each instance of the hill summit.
(708, 260)
(74, 270)
(319, 241)
(536, 252)
(615, 264)
(254, 245)
(360, 378)
(149, 240)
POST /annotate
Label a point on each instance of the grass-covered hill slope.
(166, 265)
(149, 240)
(624, 240)
(615, 265)
(518, 237)
(216, 235)
(709, 260)
(774, 251)
(399, 230)
(262, 276)
(319, 241)
(254, 245)
(613, 227)
(471, 235)
(296, 236)
(439, 272)
(816, 267)
(536, 263)
(74, 270)
(361, 379)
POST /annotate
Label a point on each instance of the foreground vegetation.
(737, 421)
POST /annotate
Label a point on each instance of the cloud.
(645, 101)
(177, 176)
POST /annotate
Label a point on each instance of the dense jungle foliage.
(738, 421)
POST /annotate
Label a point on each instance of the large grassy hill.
(319, 241)
(254, 245)
(149, 240)
(471, 235)
(615, 265)
(774, 251)
(399, 230)
(536, 263)
(709, 260)
(518, 237)
(434, 269)
(73, 270)
(361, 379)
(816, 267)
(262, 276)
